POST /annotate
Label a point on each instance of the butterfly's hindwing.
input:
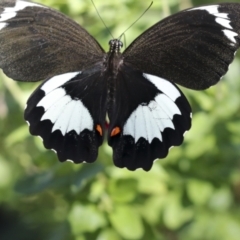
(37, 42)
(193, 48)
(64, 112)
(149, 124)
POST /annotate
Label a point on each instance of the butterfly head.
(115, 45)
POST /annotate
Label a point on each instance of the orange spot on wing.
(115, 131)
(99, 129)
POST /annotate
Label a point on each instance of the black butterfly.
(148, 113)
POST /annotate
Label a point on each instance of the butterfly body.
(147, 112)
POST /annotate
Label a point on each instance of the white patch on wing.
(221, 15)
(7, 15)
(54, 150)
(3, 25)
(210, 9)
(222, 19)
(224, 22)
(65, 113)
(167, 105)
(62, 121)
(164, 86)
(230, 35)
(56, 109)
(74, 116)
(58, 81)
(51, 98)
(11, 12)
(149, 121)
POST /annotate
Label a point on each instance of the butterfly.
(135, 89)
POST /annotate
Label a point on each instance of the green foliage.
(192, 194)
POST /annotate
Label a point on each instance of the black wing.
(37, 42)
(192, 48)
(148, 116)
(68, 111)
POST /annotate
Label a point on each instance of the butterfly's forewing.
(193, 48)
(152, 115)
(37, 42)
(68, 111)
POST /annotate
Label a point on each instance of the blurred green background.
(193, 194)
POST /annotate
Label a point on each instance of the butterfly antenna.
(125, 42)
(101, 18)
(136, 19)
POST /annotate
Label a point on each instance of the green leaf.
(50, 179)
(152, 209)
(155, 182)
(17, 135)
(123, 190)
(199, 191)
(174, 214)
(85, 218)
(5, 174)
(108, 234)
(127, 222)
(221, 199)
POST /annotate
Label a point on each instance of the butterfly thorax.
(115, 45)
(113, 62)
(114, 57)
